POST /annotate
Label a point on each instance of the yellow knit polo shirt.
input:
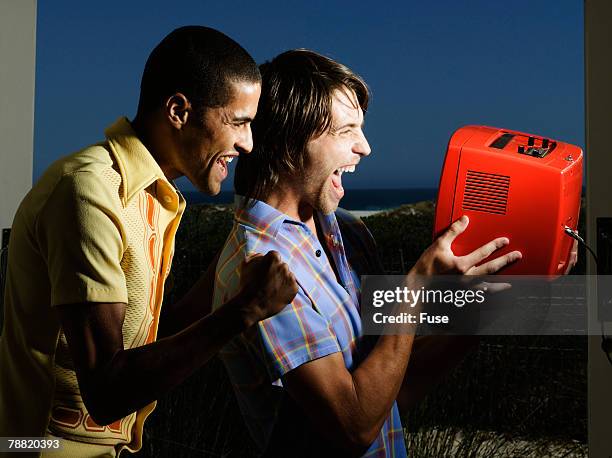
(98, 226)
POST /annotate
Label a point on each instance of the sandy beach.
(364, 213)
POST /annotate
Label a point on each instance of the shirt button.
(318, 253)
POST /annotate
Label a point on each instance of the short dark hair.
(198, 62)
(295, 107)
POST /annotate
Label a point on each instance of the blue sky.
(432, 67)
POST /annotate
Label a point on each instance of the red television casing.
(516, 185)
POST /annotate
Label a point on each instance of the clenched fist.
(267, 284)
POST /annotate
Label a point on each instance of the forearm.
(378, 379)
(182, 314)
(376, 383)
(349, 408)
(362, 399)
(399, 368)
(135, 377)
(433, 357)
(193, 306)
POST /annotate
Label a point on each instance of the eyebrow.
(351, 124)
(242, 119)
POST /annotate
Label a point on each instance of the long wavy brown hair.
(295, 107)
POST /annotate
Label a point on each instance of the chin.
(207, 187)
(211, 191)
(325, 201)
(328, 206)
(214, 190)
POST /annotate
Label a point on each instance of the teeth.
(348, 169)
(228, 159)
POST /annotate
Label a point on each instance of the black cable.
(574, 234)
(606, 341)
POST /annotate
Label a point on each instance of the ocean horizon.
(354, 199)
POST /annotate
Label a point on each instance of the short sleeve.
(80, 234)
(296, 335)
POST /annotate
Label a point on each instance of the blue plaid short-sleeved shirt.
(321, 320)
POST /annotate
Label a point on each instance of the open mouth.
(223, 164)
(337, 179)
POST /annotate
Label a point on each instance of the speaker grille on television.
(486, 192)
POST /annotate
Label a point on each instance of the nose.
(244, 142)
(362, 147)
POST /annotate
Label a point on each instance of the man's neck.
(286, 200)
(148, 131)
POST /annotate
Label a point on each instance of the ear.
(177, 110)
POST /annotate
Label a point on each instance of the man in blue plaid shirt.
(307, 381)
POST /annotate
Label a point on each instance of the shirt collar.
(137, 166)
(268, 220)
(265, 218)
(260, 216)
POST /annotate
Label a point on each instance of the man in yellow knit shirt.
(91, 246)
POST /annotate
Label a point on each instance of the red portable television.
(516, 185)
